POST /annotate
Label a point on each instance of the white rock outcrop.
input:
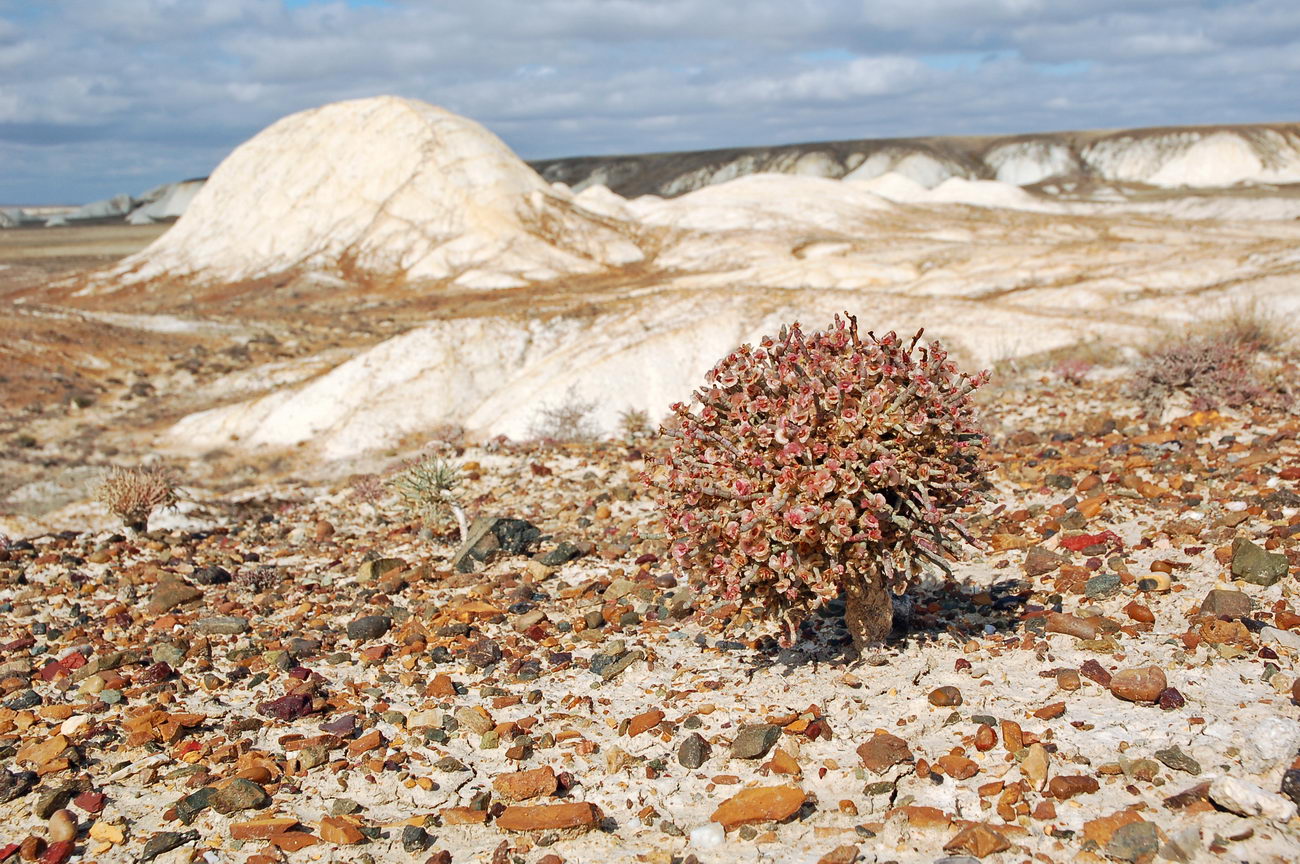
(387, 185)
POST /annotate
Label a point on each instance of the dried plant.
(634, 424)
(426, 488)
(1214, 371)
(569, 420)
(132, 494)
(813, 465)
(256, 579)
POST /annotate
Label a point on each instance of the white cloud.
(143, 91)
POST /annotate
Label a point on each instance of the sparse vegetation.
(813, 465)
(133, 494)
(426, 487)
(1213, 371)
(568, 421)
(634, 424)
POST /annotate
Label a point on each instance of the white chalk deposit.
(383, 185)
(436, 204)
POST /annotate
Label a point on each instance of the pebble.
(239, 794)
(369, 627)
(709, 836)
(229, 625)
(753, 742)
(1064, 787)
(172, 593)
(1134, 842)
(415, 839)
(522, 785)
(1251, 563)
(693, 751)
(1034, 766)
(1143, 684)
(945, 697)
(166, 842)
(1223, 603)
(1174, 758)
(1101, 585)
(883, 751)
(62, 827)
(1291, 784)
(483, 653)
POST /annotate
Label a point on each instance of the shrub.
(257, 579)
(132, 494)
(634, 424)
(1073, 371)
(569, 420)
(426, 488)
(813, 465)
(1214, 371)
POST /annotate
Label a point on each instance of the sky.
(100, 97)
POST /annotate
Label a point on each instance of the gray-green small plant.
(132, 494)
(426, 487)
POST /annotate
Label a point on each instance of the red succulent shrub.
(814, 464)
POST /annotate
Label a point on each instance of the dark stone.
(483, 653)
(490, 535)
(15, 784)
(1093, 671)
(1101, 585)
(239, 794)
(1176, 759)
(1291, 785)
(166, 842)
(415, 839)
(694, 751)
(211, 575)
(189, 807)
(25, 699)
(53, 799)
(156, 674)
(610, 666)
(1170, 699)
(286, 708)
(563, 553)
(369, 627)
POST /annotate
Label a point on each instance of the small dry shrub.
(569, 420)
(1214, 371)
(1252, 327)
(426, 488)
(634, 424)
(132, 494)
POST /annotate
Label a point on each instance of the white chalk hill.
(385, 185)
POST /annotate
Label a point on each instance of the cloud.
(104, 96)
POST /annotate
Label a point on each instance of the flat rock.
(239, 794)
(883, 752)
(753, 742)
(693, 751)
(1136, 841)
(978, 840)
(522, 785)
(576, 817)
(759, 804)
(1174, 758)
(171, 593)
(1247, 799)
(223, 624)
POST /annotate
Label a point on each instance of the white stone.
(709, 836)
(1247, 799)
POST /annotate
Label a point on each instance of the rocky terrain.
(289, 666)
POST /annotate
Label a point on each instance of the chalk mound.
(380, 186)
(1198, 158)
